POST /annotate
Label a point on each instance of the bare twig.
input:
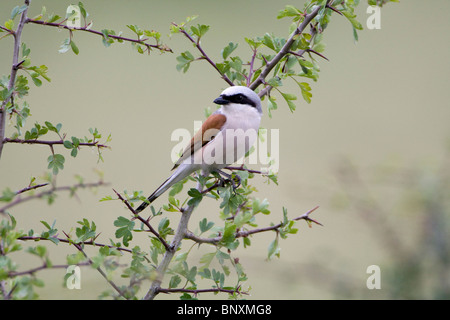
(43, 267)
(31, 188)
(7, 30)
(20, 200)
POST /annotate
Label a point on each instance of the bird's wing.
(212, 125)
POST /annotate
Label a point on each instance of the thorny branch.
(204, 55)
(175, 244)
(198, 291)
(270, 65)
(72, 188)
(43, 267)
(116, 37)
(54, 142)
(144, 221)
(285, 50)
(182, 231)
(246, 233)
(100, 270)
(88, 243)
(12, 78)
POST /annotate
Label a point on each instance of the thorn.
(118, 194)
(17, 66)
(319, 54)
(334, 9)
(93, 240)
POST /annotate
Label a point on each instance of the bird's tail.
(177, 176)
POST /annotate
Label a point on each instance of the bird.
(225, 137)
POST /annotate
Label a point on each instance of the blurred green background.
(371, 149)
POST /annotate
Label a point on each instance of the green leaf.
(274, 249)
(229, 233)
(67, 144)
(25, 52)
(7, 195)
(9, 24)
(18, 10)
(124, 231)
(206, 260)
(289, 11)
(51, 127)
(268, 41)
(196, 197)
(352, 18)
(289, 97)
(56, 163)
(275, 82)
(194, 193)
(242, 218)
(228, 50)
(271, 105)
(45, 224)
(163, 227)
(174, 281)
(236, 64)
(74, 152)
(74, 47)
(65, 46)
(260, 206)
(205, 273)
(200, 30)
(306, 91)
(86, 231)
(82, 10)
(184, 60)
(136, 30)
(177, 187)
(205, 225)
(355, 34)
(36, 81)
(218, 277)
(52, 18)
(107, 41)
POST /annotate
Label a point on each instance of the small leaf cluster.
(22, 285)
(56, 161)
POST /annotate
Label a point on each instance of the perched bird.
(225, 137)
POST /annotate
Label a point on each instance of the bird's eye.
(240, 97)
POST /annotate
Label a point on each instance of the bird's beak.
(221, 100)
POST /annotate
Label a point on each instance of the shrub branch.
(14, 68)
